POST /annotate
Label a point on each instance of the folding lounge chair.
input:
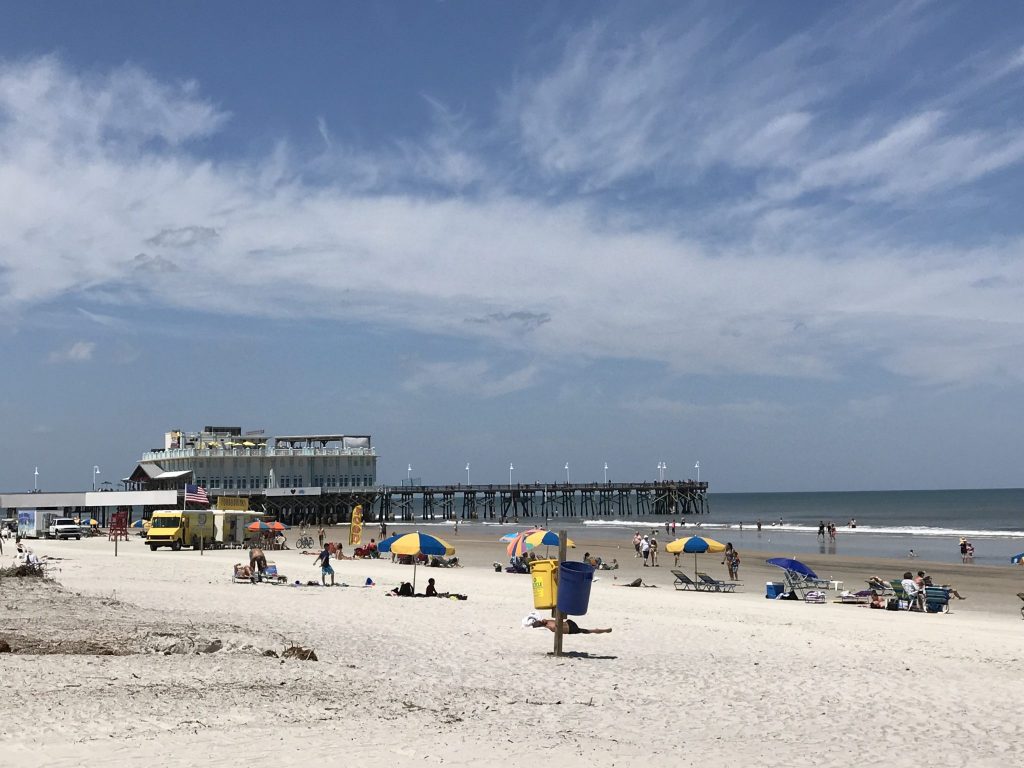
(936, 600)
(911, 601)
(802, 584)
(685, 582)
(715, 585)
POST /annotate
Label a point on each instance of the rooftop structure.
(228, 460)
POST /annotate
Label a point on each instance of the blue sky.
(780, 238)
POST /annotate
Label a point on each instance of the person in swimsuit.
(257, 562)
(570, 628)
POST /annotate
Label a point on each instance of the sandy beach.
(685, 678)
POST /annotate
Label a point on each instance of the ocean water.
(888, 523)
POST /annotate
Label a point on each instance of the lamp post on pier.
(95, 472)
(467, 473)
(35, 481)
(510, 468)
(697, 467)
(567, 473)
(606, 473)
(662, 466)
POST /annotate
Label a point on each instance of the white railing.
(190, 453)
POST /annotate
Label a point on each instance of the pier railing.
(534, 502)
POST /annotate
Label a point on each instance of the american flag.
(197, 494)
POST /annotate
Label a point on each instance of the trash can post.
(559, 616)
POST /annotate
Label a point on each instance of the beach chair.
(907, 602)
(271, 574)
(716, 585)
(936, 600)
(685, 582)
(241, 574)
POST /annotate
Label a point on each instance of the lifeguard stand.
(118, 526)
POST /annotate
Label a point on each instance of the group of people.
(830, 529)
(914, 587)
(966, 550)
(646, 546)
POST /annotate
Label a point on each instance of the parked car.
(65, 528)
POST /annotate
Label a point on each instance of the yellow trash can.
(545, 583)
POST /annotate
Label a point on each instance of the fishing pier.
(502, 503)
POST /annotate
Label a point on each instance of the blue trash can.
(574, 580)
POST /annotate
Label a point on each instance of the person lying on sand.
(635, 583)
(570, 627)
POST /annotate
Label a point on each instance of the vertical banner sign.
(355, 534)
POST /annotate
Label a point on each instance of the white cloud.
(78, 352)
(91, 212)
(476, 377)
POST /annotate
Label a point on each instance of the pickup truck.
(65, 528)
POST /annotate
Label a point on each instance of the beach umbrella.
(698, 545)
(138, 523)
(789, 564)
(1017, 559)
(516, 534)
(415, 544)
(276, 525)
(533, 539)
(259, 525)
(94, 522)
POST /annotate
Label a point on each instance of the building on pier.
(227, 462)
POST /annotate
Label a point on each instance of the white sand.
(684, 680)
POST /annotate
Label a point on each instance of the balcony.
(194, 453)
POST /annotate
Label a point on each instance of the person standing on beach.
(759, 525)
(636, 543)
(654, 551)
(970, 553)
(645, 549)
(321, 535)
(821, 530)
(963, 549)
(456, 530)
(668, 528)
(673, 527)
(324, 560)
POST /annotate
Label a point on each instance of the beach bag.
(892, 605)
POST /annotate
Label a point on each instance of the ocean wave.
(860, 530)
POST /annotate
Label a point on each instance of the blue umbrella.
(138, 523)
(795, 566)
(1017, 559)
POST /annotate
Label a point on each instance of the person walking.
(645, 549)
(636, 543)
(324, 560)
(821, 530)
(321, 535)
(654, 551)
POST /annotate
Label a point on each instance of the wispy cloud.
(769, 240)
(475, 377)
(78, 352)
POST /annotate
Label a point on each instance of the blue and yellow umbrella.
(698, 545)
(532, 539)
(416, 544)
